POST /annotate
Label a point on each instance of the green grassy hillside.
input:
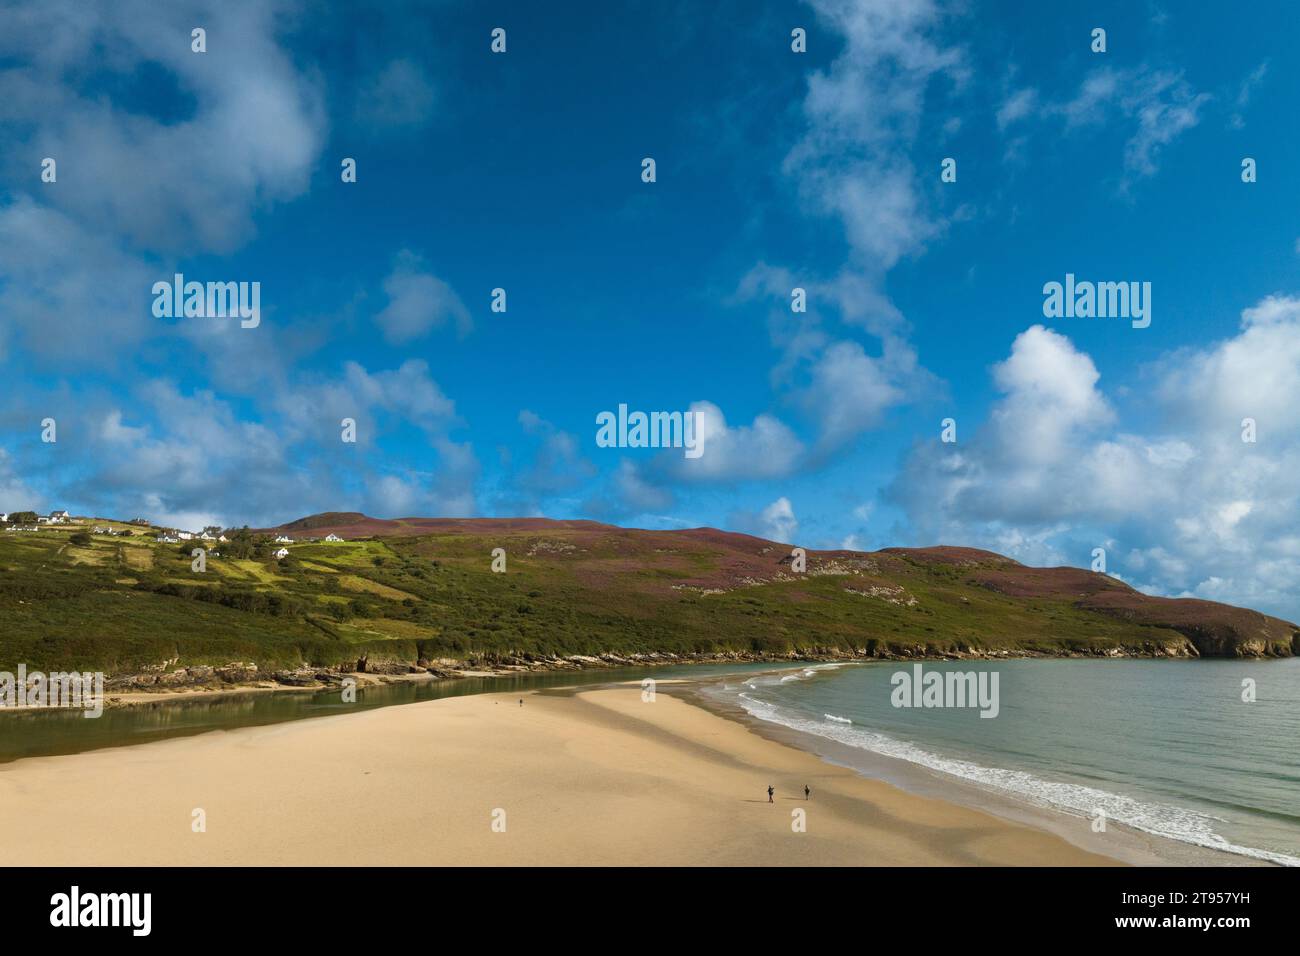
(423, 588)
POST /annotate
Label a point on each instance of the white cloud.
(314, 410)
(447, 492)
(779, 520)
(15, 495)
(1193, 509)
(776, 522)
(418, 302)
(849, 392)
(67, 292)
(1250, 376)
(1164, 106)
(1096, 93)
(637, 494)
(185, 455)
(247, 132)
(767, 448)
(1016, 107)
(226, 134)
(1051, 392)
(862, 112)
(1159, 106)
(1244, 94)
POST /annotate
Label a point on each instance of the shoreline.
(128, 692)
(1125, 844)
(1122, 843)
(587, 776)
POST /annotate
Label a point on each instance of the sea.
(1203, 752)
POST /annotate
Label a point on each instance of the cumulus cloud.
(1191, 509)
(179, 454)
(226, 134)
(220, 138)
(776, 522)
(314, 409)
(1251, 375)
(67, 291)
(841, 389)
(766, 448)
(245, 128)
(849, 392)
(1051, 393)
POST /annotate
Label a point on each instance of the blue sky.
(775, 169)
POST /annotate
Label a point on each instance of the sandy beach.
(577, 778)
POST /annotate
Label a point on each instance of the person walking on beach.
(521, 702)
(770, 791)
(807, 794)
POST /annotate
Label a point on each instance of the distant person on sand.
(521, 702)
(806, 792)
(770, 791)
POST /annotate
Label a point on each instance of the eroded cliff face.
(1227, 643)
(1216, 630)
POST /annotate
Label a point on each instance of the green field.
(119, 605)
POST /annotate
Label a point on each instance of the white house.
(58, 517)
(184, 535)
(332, 537)
(281, 554)
(4, 517)
(207, 537)
(284, 539)
(167, 539)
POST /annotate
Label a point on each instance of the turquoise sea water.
(1168, 747)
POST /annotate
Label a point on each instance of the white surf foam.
(1176, 823)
